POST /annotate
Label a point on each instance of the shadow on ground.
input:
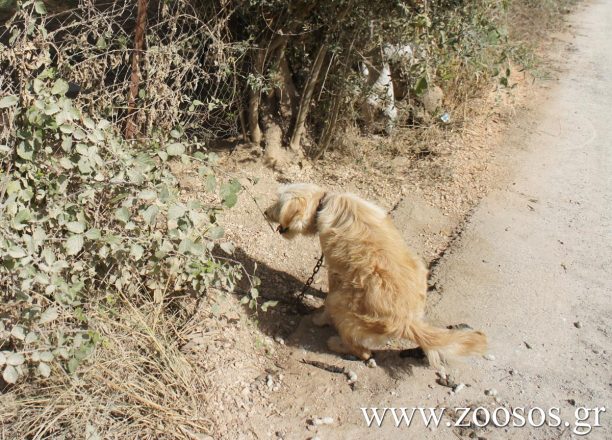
(290, 323)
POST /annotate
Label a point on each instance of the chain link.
(311, 279)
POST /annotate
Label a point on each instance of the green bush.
(87, 219)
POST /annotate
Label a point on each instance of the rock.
(279, 340)
(578, 324)
(491, 392)
(432, 99)
(489, 357)
(446, 380)
(317, 421)
(371, 363)
(352, 377)
(457, 388)
(269, 381)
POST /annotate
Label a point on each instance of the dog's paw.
(337, 345)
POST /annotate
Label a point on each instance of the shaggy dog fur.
(377, 286)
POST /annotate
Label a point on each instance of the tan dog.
(377, 286)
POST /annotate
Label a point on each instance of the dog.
(377, 285)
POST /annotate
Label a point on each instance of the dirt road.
(531, 268)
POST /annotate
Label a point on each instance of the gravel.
(352, 377)
(491, 392)
(457, 388)
(317, 421)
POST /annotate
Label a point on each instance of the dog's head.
(295, 210)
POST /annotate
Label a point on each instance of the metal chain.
(311, 279)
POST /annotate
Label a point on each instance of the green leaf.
(15, 359)
(40, 8)
(10, 374)
(44, 370)
(421, 85)
(60, 87)
(175, 149)
(228, 192)
(136, 251)
(16, 252)
(75, 227)
(147, 194)
(123, 214)
(66, 163)
(150, 214)
(45, 356)
(93, 234)
(73, 364)
(211, 183)
(176, 211)
(216, 232)
(265, 305)
(23, 216)
(8, 101)
(49, 315)
(19, 333)
(31, 337)
(74, 244)
(230, 200)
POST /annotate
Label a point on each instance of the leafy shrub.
(88, 219)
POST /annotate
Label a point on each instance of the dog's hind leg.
(322, 318)
(339, 345)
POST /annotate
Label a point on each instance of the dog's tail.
(440, 344)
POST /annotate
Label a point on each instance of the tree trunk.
(141, 21)
(254, 99)
(300, 120)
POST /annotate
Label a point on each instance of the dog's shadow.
(289, 322)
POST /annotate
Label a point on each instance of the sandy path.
(531, 268)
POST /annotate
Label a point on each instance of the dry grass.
(137, 384)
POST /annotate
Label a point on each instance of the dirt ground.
(261, 387)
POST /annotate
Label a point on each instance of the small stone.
(457, 388)
(489, 357)
(578, 324)
(317, 421)
(491, 392)
(511, 372)
(371, 363)
(571, 402)
(269, 381)
(352, 377)
(279, 340)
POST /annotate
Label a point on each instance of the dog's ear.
(292, 214)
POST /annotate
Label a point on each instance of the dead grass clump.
(138, 384)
